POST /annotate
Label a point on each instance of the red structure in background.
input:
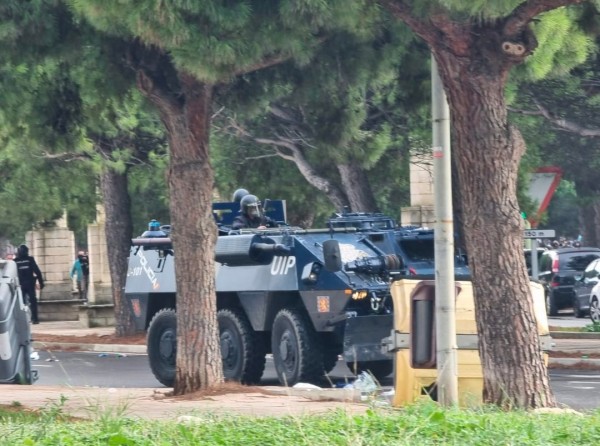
(544, 182)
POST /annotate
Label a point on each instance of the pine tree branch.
(294, 153)
(66, 157)
(523, 14)
(402, 11)
(437, 29)
(561, 123)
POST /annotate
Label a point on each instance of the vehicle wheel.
(577, 311)
(379, 369)
(551, 307)
(296, 352)
(595, 310)
(162, 346)
(242, 349)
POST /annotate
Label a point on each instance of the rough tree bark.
(474, 59)
(589, 210)
(357, 187)
(587, 221)
(184, 105)
(118, 229)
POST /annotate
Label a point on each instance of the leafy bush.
(592, 328)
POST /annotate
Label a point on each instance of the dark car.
(527, 252)
(583, 287)
(558, 268)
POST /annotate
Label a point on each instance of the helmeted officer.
(251, 215)
(29, 272)
(239, 194)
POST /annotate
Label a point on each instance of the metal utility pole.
(445, 294)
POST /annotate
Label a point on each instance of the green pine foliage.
(562, 44)
(214, 40)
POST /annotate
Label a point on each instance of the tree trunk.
(118, 229)
(186, 112)
(595, 238)
(488, 151)
(357, 187)
(587, 222)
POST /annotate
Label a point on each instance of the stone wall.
(421, 209)
(55, 251)
(100, 292)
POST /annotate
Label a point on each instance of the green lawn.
(422, 424)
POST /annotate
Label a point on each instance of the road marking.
(584, 376)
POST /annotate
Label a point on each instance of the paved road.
(566, 319)
(577, 389)
(125, 370)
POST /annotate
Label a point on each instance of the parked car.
(558, 268)
(527, 252)
(582, 289)
(594, 304)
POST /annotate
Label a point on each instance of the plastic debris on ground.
(305, 386)
(34, 356)
(370, 389)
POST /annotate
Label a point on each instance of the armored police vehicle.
(304, 295)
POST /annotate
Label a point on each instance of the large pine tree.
(181, 52)
(476, 44)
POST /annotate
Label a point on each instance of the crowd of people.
(561, 242)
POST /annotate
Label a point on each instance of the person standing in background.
(81, 268)
(29, 272)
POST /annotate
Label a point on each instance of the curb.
(100, 348)
(574, 335)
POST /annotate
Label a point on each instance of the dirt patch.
(137, 339)
(575, 354)
(218, 390)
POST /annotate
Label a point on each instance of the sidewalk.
(90, 402)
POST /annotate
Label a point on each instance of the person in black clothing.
(29, 272)
(251, 215)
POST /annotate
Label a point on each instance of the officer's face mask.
(254, 210)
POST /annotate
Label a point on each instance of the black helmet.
(23, 251)
(239, 194)
(250, 206)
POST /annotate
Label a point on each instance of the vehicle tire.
(296, 351)
(242, 349)
(577, 311)
(595, 310)
(162, 346)
(379, 369)
(551, 307)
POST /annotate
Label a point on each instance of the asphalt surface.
(73, 384)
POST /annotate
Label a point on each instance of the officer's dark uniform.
(29, 272)
(251, 215)
(244, 221)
